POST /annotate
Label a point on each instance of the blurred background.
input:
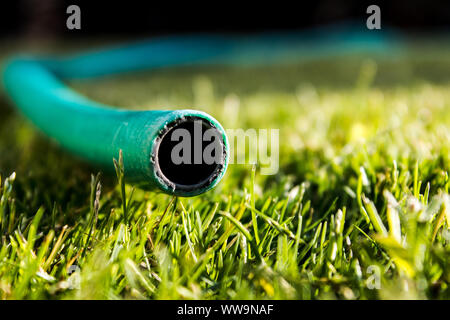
(46, 18)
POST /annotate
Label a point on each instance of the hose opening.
(190, 154)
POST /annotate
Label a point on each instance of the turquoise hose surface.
(97, 132)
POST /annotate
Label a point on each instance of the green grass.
(362, 187)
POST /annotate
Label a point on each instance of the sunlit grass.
(360, 208)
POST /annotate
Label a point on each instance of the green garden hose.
(97, 132)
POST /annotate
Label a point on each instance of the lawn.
(359, 208)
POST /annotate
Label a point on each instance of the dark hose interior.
(189, 176)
